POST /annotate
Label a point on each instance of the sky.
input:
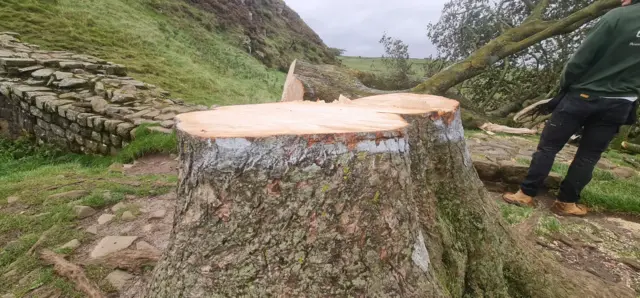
(358, 25)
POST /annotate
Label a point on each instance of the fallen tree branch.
(496, 128)
(635, 148)
(632, 162)
(72, 272)
(128, 259)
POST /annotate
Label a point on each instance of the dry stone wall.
(78, 102)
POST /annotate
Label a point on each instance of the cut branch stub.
(294, 199)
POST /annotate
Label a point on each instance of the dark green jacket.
(608, 61)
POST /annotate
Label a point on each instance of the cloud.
(358, 25)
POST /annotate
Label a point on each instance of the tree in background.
(479, 36)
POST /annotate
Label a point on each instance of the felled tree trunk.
(312, 82)
(337, 200)
(635, 148)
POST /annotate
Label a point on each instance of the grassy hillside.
(165, 42)
(375, 65)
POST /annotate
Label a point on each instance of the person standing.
(599, 86)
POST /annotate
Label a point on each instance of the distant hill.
(204, 51)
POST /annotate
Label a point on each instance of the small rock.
(70, 195)
(128, 215)
(93, 230)
(143, 245)
(118, 279)
(623, 172)
(158, 214)
(59, 75)
(105, 218)
(118, 206)
(73, 244)
(127, 166)
(167, 123)
(130, 197)
(149, 228)
(12, 199)
(165, 117)
(111, 244)
(72, 83)
(44, 73)
(83, 211)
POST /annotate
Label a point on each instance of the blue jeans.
(601, 119)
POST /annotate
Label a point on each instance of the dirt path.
(604, 245)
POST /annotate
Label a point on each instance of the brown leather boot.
(569, 209)
(519, 199)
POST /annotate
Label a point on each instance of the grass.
(375, 65)
(34, 174)
(167, 43)
(548, 225)
(514, 214)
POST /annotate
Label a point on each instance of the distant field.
(375, 65)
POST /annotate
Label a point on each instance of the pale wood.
(293, 87)
(286, 118)
(493, 128)
(407, 103)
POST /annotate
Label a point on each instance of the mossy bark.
(296, 216)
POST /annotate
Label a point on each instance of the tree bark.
(340, 200)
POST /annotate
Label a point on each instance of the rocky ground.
(122, 241)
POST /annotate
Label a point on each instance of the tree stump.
(376, 197)
(292, 200)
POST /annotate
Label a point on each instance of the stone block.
(42, 124)
(91, 146)
(24, 105)
(62, 110)
(106, 138)
(67, 65)
(29, 70)
(57, 130)
(124, 130)
(52, 106)
(79, 139)
(85, 132)
(82, 118)
(72, 83)
(47, 117)
(98, 123)
(61, 121)
(59, 75)
(165, 117)
(17, 62)
(112, 125)
(35, 111)
(116, 140)
(103, 149)
(70, 136)
(74, 127)
(96, 136)
(42, 74)
(72, 114)
(42, 100)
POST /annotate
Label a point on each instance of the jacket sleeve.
(590, 49)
